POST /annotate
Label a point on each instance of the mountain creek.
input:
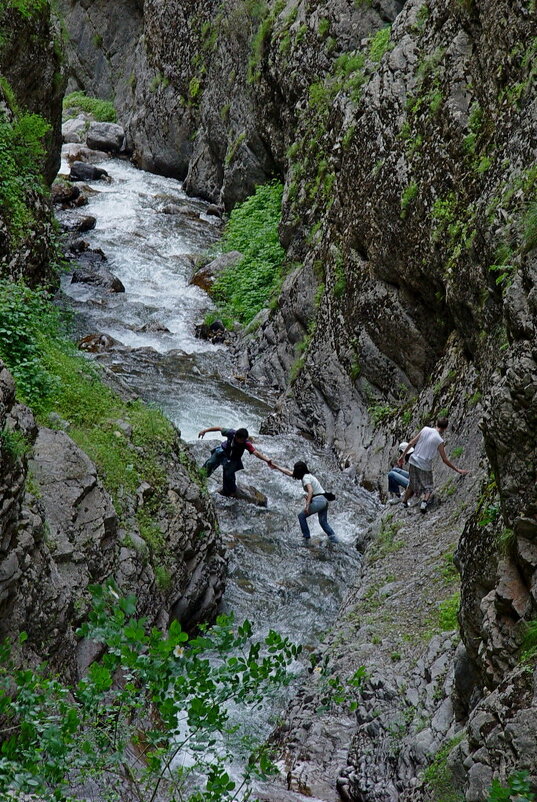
(272, 580)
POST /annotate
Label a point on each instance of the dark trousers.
(229, 469)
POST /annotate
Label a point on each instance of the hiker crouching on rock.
(229, 456)
(315, 500)
(427, 444)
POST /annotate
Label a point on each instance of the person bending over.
(229, 455)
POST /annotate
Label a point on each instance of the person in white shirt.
(315, 500)
(427, 444)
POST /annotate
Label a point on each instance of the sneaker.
(333, 540)
(395, 500)
(306, 541)
(405, 504)
(423, 506)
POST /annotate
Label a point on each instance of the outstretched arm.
(259, 455)
(447, 461)
(279, 468)
(211, 429)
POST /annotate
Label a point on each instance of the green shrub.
(447, 613)
(518, 789)
(13, 444)
(21, 161)
(529, 229)
(439, 777)
(27, 8)
(380, 43)
(29, 324)
(408, 195)
(101, 110)
(252, 229)
(57, 736)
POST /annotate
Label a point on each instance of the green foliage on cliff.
(253, 230)
(21, 159)
(101, 110)
(150, 718)
(517, 789)
(26, 7)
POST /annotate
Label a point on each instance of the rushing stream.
(273, 580)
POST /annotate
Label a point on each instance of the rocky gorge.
(405, 137)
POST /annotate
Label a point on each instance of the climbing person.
(229, 455)
(398, 477)
(315, 500)
(427, 444)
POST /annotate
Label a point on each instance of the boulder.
(74, 130)
(80, 153)
(97, 343)
(77, 222)
(105, 136)
(214, 332)
(80, 171)
(206, 276)
(101, 277)
(64, 193)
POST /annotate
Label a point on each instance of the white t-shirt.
(426, 448)
(310, 479)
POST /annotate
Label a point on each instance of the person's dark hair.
(442, 423)
(300, 469)
(242, 434)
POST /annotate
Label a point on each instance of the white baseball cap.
(402, 447)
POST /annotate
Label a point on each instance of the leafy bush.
(21, 159)
(29, 324)
(26, 7)
(56, 735)
(447, 612)
(101, 110)
(518, 789)
(253, 230)
(13, 444)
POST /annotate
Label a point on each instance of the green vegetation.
(57, 736)
(233, 148)
(13, 444)
(101, 110)
(27, 8)
(381, 412)
(529, 227)
(408, 195)
(518, 789)
(261, 38)
(385, 542)
(529, 643)
(21, 162)
(439, 777)
(323, 27)
(447, 612)
(253, 230)
(380, 44)
(457, 452)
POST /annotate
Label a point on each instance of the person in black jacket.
(229, 455)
